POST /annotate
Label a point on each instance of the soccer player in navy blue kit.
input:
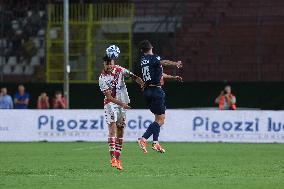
(153, 76)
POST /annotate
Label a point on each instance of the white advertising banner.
(180, 125)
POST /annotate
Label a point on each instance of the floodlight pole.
(66, 52)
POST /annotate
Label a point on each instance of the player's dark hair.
(106, 59)
(145, 46)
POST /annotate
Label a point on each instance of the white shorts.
(115, 113)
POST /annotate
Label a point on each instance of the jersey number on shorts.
(146, 73)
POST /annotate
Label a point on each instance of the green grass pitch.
(184, 165)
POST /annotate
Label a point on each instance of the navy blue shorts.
(155, 99)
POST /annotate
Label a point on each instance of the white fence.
(181, 125)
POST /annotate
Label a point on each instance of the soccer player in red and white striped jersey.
(116, 102)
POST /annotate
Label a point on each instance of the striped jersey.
(114, 82)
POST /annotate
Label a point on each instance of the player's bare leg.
(160, 119)
(118, 144)
(111, 143)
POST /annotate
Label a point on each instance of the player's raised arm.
(134, 77)
(138, 80)
(177, 78)
(108, 96)
(177, 64)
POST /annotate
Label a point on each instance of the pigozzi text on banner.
(181, 125)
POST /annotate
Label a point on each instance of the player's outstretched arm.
(107, 94)
(138, 80)
(127, 73)
(170, 77)
(177, 64)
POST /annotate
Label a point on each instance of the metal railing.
(93, 27)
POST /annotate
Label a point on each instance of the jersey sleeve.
(157, 60)
(234, 100)
(11, 102)
(27, 96)
(16, 96)
(102, 83)
(126, 72)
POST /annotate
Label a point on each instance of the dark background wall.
(263, 95)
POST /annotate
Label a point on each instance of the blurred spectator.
(22, 29)
(59, 101)
(21, 99)
(6, 101)
(29, 49)
(14, 37)
(226, 100)
(43, 101)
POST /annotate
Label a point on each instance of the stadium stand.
(22, 39)
(223, 39)
(230, 40)
(218, 40)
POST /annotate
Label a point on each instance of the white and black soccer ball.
(113, 52)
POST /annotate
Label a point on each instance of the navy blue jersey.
(152, 70)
